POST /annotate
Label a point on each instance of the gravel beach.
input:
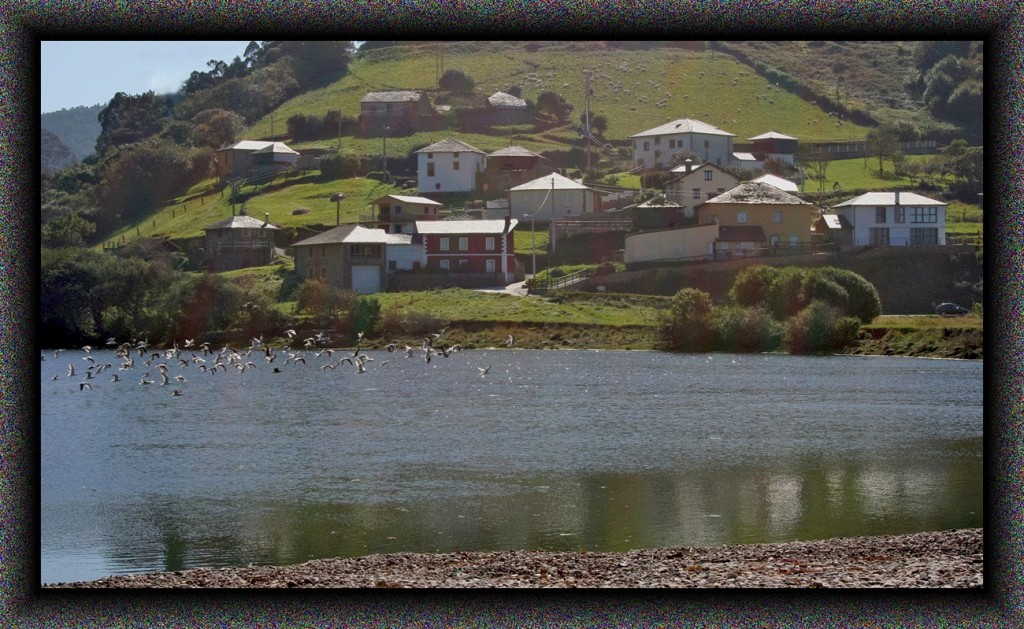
(946, 559)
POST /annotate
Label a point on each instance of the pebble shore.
(946, 559)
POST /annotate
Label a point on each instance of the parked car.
(950, 310)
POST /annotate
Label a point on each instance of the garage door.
(366, 279)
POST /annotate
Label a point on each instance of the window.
(899, 214)
(430, 169)
(696, 193)
(878, 236)
(657, 141)
(463, 243)
(671, 144)
(398, 209)
(708, 174)
(793, 241)
(879, 214)
(741, 217)
(924, 236)
(924, 215)
(443, 244)
(455, 165)
(490, 266)
(707, 143)
(430, 156)
(489, 243)
(455, 155)
(657, 154)
(392, 265)
(647, 146)
(445, 265)
(776, 217)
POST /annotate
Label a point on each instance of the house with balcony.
(661, 147)
(239, 242)
(351, 257)
(893, 219)
(755, 215)
(774, 145)
(398, 213)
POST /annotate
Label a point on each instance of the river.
(555, 450)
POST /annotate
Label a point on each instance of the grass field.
(634, 90)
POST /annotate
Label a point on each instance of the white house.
(449, 166)
(667, 144)
(552, 197)
(894, 218)
(679, 244)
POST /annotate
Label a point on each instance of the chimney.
(266, 219)
(689, 164)
(897, 198)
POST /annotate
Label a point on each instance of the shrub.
(750, 288)
(746, 330)
(819, 328)
(863, 301)
(785, 295)
(688, 324)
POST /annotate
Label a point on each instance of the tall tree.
(128, 119)
(53, 154)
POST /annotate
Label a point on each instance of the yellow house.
(758, 215)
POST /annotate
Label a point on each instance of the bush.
(688, 324)
(746, 330)
(750, 288)
(818, 329)
(340, 166)
(863, 301)
(786, 296)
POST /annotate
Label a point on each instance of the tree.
(598, 123)
(815, 160)
(456, 81)
(884, 141)
(216, 127)
(553, 106)
(688, 324)
(819, 328)
(128, 119)
(67, 230)
(139, 178)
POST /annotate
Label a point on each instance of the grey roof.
(513, 151)
(501, 99)
(246, 145)
(659, 202)
(889, 198)
(450, 145)
(683, 125)
(407, 199)
(836, 221)
(240, 222)
(745, 157)
(772, 135)
(545, 183)
(393, 96)
(485, 226)
(347, 234)
(779, 182)
(276, 147)
(757, 193)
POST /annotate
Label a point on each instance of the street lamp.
(337, 197)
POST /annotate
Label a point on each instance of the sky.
(74, 73)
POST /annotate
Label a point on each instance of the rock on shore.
(947, 559)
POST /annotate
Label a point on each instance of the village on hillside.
(700, 212)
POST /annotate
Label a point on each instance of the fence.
(552, 283)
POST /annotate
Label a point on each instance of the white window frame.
(741, 217)
(709, 175)
(491, 265)
(463, 243)
(444, 244)
(489, 243)
(776, 217)
(445, 265)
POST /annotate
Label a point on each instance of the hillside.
(77, 128)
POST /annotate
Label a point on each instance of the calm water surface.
(559, 450)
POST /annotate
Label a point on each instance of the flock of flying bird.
(208, 361)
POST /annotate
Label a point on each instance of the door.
(366, 279)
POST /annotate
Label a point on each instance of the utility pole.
(586, 119)
(384, 156)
